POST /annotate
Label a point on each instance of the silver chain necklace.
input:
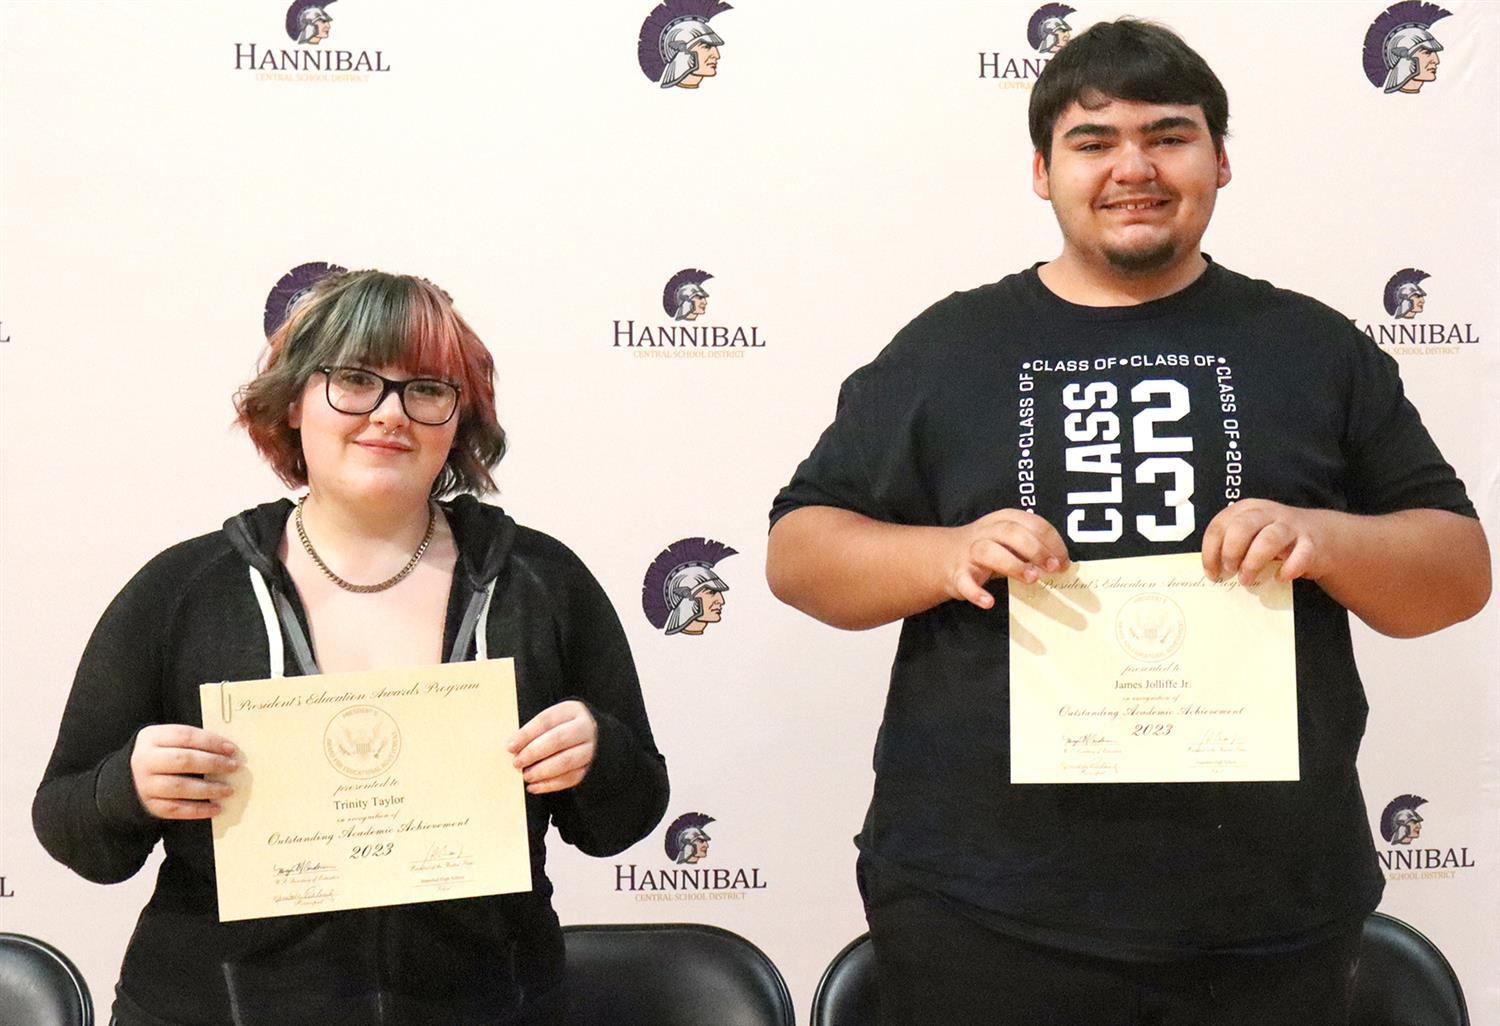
(365, 589)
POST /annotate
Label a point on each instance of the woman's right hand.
(164, 765)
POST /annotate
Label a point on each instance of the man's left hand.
(1248, 535)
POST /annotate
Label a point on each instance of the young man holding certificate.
(1133, 402)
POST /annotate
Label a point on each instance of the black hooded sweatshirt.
(190, 616)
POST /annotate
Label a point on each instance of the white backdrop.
(846, 167)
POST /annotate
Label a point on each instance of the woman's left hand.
(556, 748)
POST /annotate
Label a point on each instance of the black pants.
(938, 967)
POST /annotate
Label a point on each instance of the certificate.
(1144, 670)
(376, 788)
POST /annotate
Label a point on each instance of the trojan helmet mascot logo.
(677, 46)
(684, 298)
(1404, 295)
(1401, 54)
(686, 840)
(681, 593)
(307, 21)
(1047, 32)
(1400, 823)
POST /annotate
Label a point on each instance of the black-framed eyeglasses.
(357, 391)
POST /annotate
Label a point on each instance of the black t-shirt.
(1128, 429)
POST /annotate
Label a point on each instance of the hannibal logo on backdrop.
(689, 877)
(1401, 54)
(291, 289)
(681, 593)
(684, 300)
(678, 48)
(1404, 295)
(1411, 330)
(1047, 31)
(308, 22)
(310, 56)
(1404, 858)
(686, 840)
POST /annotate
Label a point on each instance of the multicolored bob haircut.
(375, 319)
(1127, 59)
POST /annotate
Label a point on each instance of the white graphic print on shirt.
(1113, 430)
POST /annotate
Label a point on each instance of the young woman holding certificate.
(377, 396)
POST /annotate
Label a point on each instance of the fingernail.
(1053, 565)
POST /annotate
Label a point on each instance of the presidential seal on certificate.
(383, 787)
(1144, 670)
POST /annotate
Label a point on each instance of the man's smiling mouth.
(1136, 204)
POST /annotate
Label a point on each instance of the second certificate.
(1143, 670)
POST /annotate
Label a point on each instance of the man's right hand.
(854, 572)
(1009, 543)
(164, 764)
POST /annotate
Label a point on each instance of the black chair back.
(1404, 980)
(847, 995)
(671, 974)
(39, 986)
